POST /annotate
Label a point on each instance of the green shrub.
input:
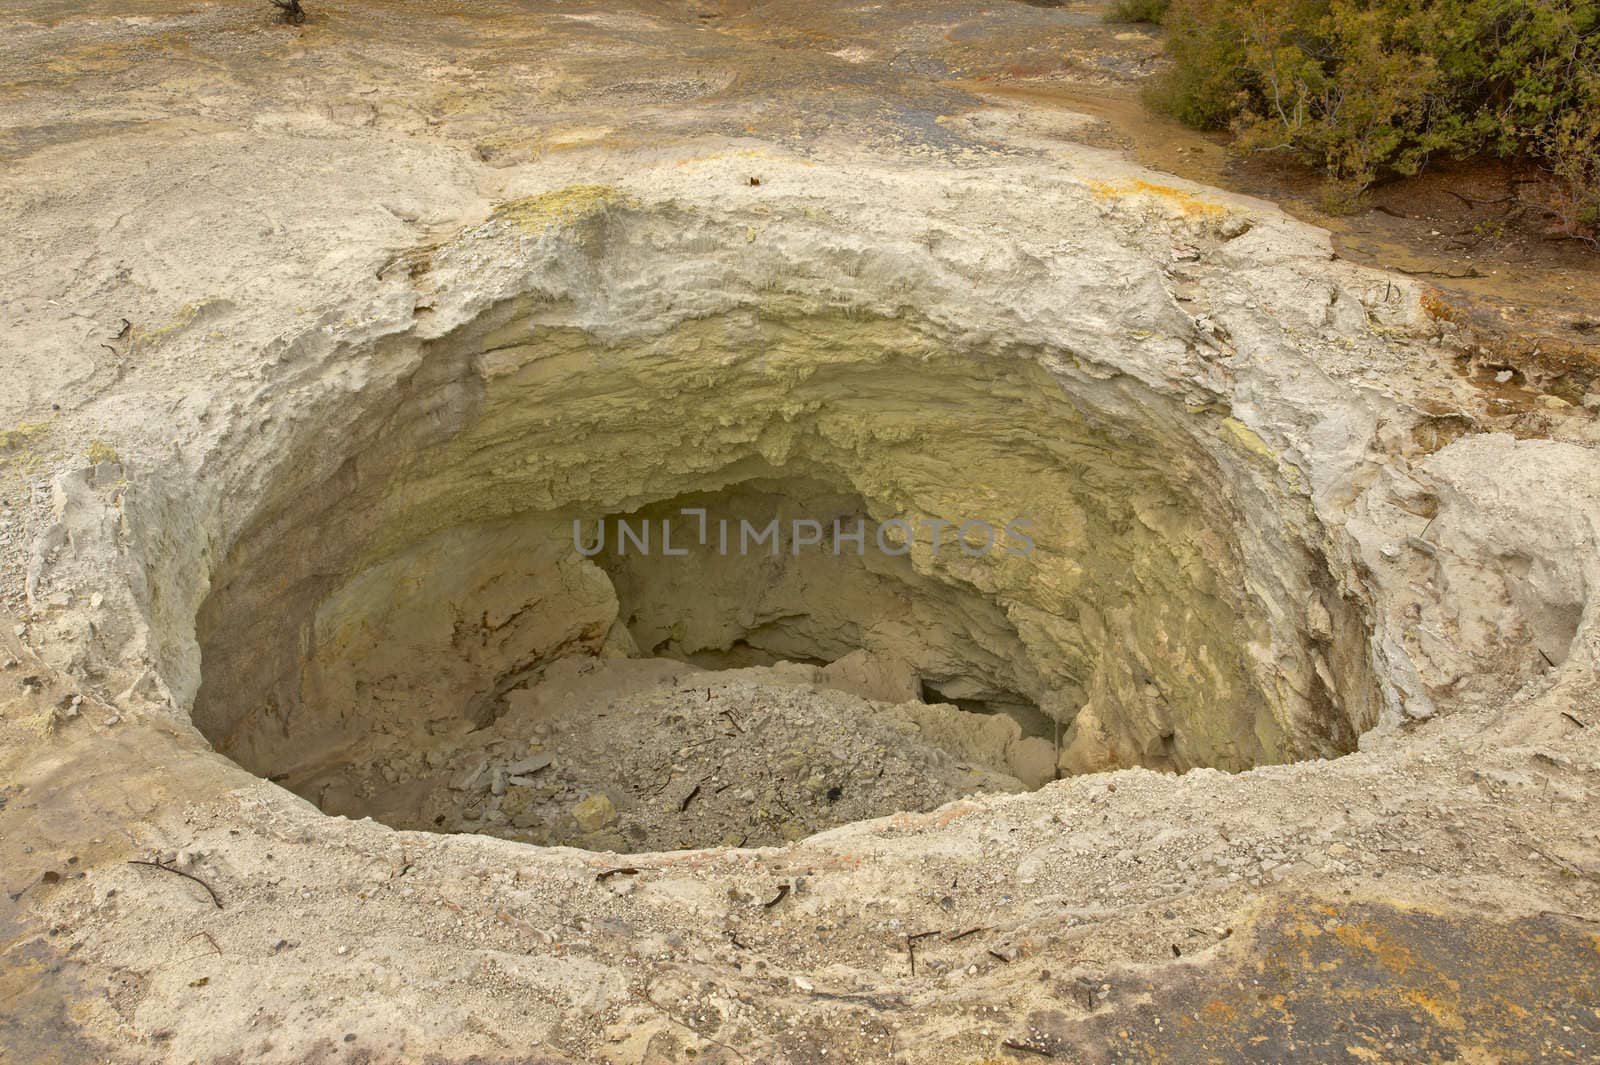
(1137, 10)
(1371, 88)
(1205, 86)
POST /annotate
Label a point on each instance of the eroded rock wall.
(1173, 607)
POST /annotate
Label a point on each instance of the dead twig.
(1088, 996)
(1471, 271)
(1026, 1048)
(1574, 719)
(187, 876)
(783, 893)
(1471, 202)
(621, 870)
(1569, 916)
(205, 953)
(911, 946)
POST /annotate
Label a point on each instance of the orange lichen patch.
(1186, 203)
(1436, 307)
(1390, 954)
(1443, 1012)
(1435, 978)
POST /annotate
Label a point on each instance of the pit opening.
(433, 618)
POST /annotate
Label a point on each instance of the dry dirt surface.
(322, 739)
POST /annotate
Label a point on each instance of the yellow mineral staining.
(1186, 203)
(19, 447)
(1246, 437)
(99, 451)
(18, 437)
(536, 214)
(185, 316)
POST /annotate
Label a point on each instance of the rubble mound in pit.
(626, 755)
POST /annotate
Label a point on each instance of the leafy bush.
(1137, 10)
(1371, 88)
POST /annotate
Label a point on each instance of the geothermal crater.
(320, 339)
(755, 576)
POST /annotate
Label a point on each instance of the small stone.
(469, 774)
(1418, 709)
(497, 782)
(595, 812)
(531, 764)
(1389, 551)
(1421, 546)
(20, 631)
(1503, 376)
(112, 720)
(1234, 226)
(805, 985)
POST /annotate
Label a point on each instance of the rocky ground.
(220, 228)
